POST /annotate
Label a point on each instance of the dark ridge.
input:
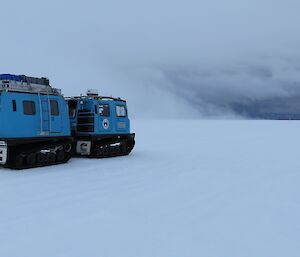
(279, 108)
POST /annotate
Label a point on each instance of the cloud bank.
(170, 59)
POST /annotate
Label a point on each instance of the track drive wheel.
(19, 161)
(31, 159)
(51, 158)
(60, 156)
(41, 158)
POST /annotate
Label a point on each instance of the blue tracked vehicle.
(34, 123)
(100, 125)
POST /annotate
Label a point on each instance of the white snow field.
(189, 189)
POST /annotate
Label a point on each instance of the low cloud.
(170, 59)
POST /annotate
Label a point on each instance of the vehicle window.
(14, 105)
(121, 111)
(54, 107)
(104, 110)
(72, 108)
(29, 107)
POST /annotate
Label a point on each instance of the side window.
(121, 111)
(29, 107)
(104, 110)
(14, 105)
(54, 107)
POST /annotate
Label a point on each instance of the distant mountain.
(279, 108)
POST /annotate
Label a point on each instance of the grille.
(85, 121)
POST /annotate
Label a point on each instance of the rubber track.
(16, 151)
(107, 149)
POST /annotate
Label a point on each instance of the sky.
(169, 59)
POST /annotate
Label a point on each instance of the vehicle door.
(122, 121)
(104, 116)
(56, 115)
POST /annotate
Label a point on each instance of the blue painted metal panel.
(15, 124)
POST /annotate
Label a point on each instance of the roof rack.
(110, 98)
(22, 83)
(98, 98)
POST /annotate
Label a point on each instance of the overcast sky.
(168, 58)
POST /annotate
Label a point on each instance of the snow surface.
(190, 188)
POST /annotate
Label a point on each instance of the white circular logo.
(105, 124)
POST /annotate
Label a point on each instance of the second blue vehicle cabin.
(100, 125)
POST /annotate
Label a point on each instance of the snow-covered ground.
(189, 189)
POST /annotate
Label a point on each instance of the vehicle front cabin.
(98, 115)
(100, 126)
